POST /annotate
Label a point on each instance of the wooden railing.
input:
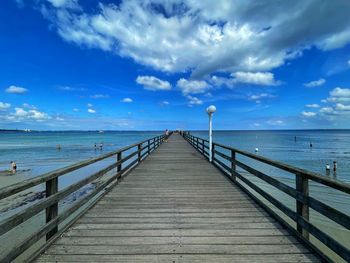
(50, 203)
(228, 165)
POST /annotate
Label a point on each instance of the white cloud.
(153, 83)
(339, 95)
(99, 96)
(69, 88)
(255, 78)
(165, 102)
(327, 110)
(127, 100)
(193, 100)
(204, 36)
(314, 105)
(315, 83)
(275, 122)
(308, 114)
(349, 62)
(21, 114)
(258, 97)
(4, 105)
(64, 3)
(90, 105)
(342, 107)
(16, 90)
(192, 86)
(91, 111)
(75, 110)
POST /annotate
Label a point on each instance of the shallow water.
(36, 153)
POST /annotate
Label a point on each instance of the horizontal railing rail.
(123, 164)
(300, 193)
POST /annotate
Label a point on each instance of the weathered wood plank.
(177, 207)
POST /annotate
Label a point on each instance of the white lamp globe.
(211, 109)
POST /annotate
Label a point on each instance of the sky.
(152, 65)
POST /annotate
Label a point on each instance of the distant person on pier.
(13, 167)
(101, 146)
(166, 135)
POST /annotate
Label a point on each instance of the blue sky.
(148, 65)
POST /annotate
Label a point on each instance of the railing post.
(197, 144)
(51, 211)
(203, 146)
(212, 152)
(139, 146)
(302, 186)
(148, 147)
(233, 165)
(119, 166)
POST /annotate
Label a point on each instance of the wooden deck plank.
(177, 207)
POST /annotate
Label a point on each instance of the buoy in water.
(256, 150)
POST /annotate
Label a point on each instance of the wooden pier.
(167, 203)
(176, 207)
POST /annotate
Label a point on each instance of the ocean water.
(327, 146)
(36, 153)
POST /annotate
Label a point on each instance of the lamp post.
(210, 110)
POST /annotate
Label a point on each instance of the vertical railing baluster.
(148, 147)
(302, 186)
(52, 210)
(119, 166)
(213, 152)
(203, 146)
(139, 146)
(233, 165)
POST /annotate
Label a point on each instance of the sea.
(39, 152)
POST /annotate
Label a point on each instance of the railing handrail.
(21, 186)
(341, 186)
(300, 193)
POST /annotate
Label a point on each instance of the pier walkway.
(177, 207)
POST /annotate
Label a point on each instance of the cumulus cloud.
(91, 111)
(153, 83)
(16, 90)
(127, 100)
(203, 36)
(327, 110)
(193, 101)
(192, 86)
(339, 95)
(314, 105)
(308, 114)
(165, 102)
(342, 107)
(99, 96)
(21, 114)
(315, 83)
(4, 105)
(255, 78)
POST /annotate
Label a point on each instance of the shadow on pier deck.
(177, 207)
